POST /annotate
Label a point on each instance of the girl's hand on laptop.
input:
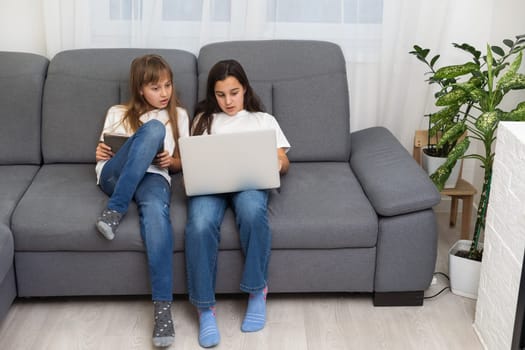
(284, 163)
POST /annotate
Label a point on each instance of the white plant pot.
(464, 273)
(430, 164)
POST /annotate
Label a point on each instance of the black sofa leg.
(412, 298)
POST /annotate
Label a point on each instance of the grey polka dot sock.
(163, 331)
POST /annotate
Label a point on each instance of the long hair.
(205, 108)
(144, 70)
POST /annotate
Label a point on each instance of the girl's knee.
(200, 229)
(251, 211)
(155, 129)
(154, 209)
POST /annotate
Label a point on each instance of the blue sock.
(255, 316)
(208, 332)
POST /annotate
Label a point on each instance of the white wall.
(22, 26)
(504, 241)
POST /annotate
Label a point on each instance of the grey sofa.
(354, 213)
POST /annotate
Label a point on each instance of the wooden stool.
(463, 190)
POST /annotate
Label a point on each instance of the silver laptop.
(223, 163)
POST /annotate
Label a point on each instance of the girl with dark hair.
(230, 106)
(140, 171)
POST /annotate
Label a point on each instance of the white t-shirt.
(113, 124)
(248, 121)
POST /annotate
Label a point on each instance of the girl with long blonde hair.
(140, 170)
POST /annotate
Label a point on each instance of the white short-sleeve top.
(113, 124)
(248, 121)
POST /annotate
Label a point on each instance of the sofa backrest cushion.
(22, 78)
(82, 84)
(302, 83)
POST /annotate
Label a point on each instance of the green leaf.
(498, 50)
(457, 152)
(490, 75)
(447, 114)
(517, 114)
(472, 84)
(497, 97)
(515, 82)
(434, 60)
(510, 74)
(499, 68)
(452, 134)
(448, 72)
(509, 43)
(440, 176)
(487, 121)
(420, 52)
(468, 48)
(484, 104)
(455, 97)
(478, 94)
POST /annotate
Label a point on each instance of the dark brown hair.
(205, 108)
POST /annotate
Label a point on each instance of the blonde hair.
(144, 70)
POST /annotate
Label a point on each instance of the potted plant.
(437, 150)
(432, 156)
(469, 96)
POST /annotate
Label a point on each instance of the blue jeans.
(205, 215)
(124, 178)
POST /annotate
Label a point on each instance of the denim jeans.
(124, 178)
(205, 215)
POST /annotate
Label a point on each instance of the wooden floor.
(295, 321)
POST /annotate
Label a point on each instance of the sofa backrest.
(21, 82)
(80, 87)
(302, 83)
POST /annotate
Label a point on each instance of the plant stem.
(481, 215)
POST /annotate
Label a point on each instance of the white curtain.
(386, 84)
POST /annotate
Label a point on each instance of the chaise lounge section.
(21, 84)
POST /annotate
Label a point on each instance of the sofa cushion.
(6, 250)
(315, 134)
(21, 81)
(63, 203)
(80, 87)
(14, 180)
(319, 205)
(309, 96)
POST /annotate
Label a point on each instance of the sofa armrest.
(392, 180)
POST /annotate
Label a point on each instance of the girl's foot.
(255, 317)
(208, 332)
(107, 223)
(163, 331)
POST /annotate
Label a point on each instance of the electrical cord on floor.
(442, 290)
(442, 274)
